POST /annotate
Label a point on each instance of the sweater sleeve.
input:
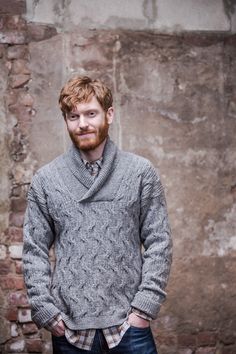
(38, 238)
(156, 239)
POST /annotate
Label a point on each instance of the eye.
(72, 117)
(92, 114)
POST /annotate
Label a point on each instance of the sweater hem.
(93, 322)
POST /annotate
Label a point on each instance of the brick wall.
(17, 332)
(175, 331)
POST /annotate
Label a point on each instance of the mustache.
(84, 132)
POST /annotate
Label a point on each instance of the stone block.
(24, 315)
(34, 345)
(3, 252)
(14, 330)
(26, 99)
(16, 346)
(17, 52)
(29, 328)
(16, 251)
(19, 66)
(17, 81)
(13, 37)
(38, 32)
(17, 299)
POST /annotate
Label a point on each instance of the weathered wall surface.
(175, 102)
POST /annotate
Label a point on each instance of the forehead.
(87, 105)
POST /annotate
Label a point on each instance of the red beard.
(91, 142)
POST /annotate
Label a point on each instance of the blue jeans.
(135, 341)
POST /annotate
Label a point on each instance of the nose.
(83, 123)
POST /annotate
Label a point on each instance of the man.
(97, 205)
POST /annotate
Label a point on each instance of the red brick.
(228, 337)
(12, 282)
(18, 204)
(17, 299)
(1, 50)
(11, 314)
(206, 350)
(19, 267)
(24, 116)
(11, 98)
(16, 219)
(20, 67)
(16, 190)
(15, 234)
(6, 266)
(26, 99)
(19, 80)
(13, 22)
(168, 340)
(29, 328)
(206, 339)
(13, 37)
(40, 32)
(34, 345)
(17, 52)
(229, 349)
(12, 7)
(187, 340)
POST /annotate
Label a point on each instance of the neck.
(95, 154)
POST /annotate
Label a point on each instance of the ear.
(110, 115)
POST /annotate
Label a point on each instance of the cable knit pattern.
(98, 228)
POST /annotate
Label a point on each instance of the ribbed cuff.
(43, 315)
(143, 303)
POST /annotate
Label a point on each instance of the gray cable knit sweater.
(98, 228)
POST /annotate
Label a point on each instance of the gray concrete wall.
(171, 67)
(159, 15)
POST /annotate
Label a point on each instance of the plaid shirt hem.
(83, 339)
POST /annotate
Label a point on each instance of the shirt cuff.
(141, 314)
(53, 322)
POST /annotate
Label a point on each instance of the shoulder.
(137, 162)
(48, 171)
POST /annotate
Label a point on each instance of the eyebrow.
(86, 111)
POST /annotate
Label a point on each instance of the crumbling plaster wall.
(172, 70)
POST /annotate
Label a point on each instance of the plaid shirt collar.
(93, 166)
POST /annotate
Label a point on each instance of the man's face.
(88, 124)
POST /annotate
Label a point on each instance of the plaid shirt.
(83, 339)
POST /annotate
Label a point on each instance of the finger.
(58, 332)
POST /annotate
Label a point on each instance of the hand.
(59, 329)
(137, 321)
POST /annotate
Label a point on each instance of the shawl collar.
(78, 168)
